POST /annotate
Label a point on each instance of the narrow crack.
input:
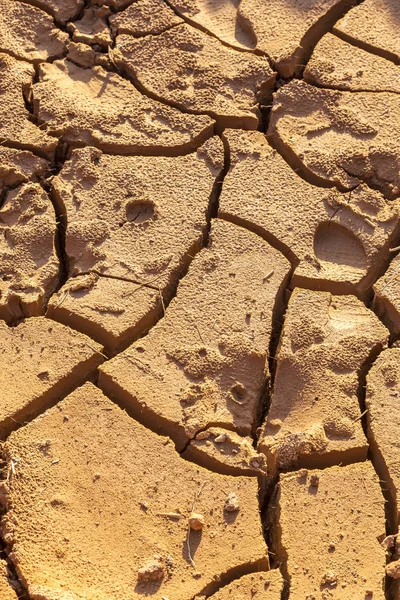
(318, 30)
(203, 29)
(367, 47)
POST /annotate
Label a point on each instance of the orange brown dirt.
(75, 461)
(204, 363)
(199, 299)
(330, 522)
(325, 345)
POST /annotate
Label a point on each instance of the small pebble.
(393, 569)
(153, 571)
(232, 503)
(196, 521)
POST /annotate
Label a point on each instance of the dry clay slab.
(90, 467)
(19, 166)
(315, 419)
(383, 418)
(284, 30)
(144, 17)
(329, 526)
(100, 108)
(29, 267)
(373, 26)
(61, 10)
(133, 225)
(204, 363)
(53, 359)
(340, 138)
(387, 296)
(195, 72)
(28, 33)
(16, 78)
(334, 241)
(339, 65)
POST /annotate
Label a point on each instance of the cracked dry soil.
(199, 299)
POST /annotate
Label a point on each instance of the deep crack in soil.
(199, 299)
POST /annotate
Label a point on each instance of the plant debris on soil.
(199, 299)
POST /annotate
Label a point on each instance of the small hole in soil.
(238, 392)
(202, 352)
(139, 212)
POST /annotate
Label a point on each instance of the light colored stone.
(226, 452)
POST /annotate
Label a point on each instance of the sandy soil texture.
(199, 299)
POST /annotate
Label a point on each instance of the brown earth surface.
(199, 299)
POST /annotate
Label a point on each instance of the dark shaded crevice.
(213, 205)
(221, 121)
(367, 47)
(265, 235)
(273, 535)
(115, 150)
(13, 145)
(138, 36)
(60, 214)
(279, 311)
(232, 575)
(12, 575)
(342, 88)
(377, 460)
(295, 163)
(317, 31)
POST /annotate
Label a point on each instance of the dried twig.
(169, 515)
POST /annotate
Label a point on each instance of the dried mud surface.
(199, 299)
